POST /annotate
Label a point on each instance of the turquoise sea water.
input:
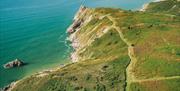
(34, 31)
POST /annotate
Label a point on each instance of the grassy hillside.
(119, 51)
(167, 6)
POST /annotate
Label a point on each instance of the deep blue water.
(34, 31)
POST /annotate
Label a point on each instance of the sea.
(34, 31)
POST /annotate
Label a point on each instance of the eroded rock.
(14, 63)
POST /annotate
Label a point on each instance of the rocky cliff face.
(78, 21)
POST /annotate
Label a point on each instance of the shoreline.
(42, 73)
(10, 86)
(73, 57)
(73, 28)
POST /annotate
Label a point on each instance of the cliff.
(117, 50)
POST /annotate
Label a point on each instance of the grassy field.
(104, 56)
(156, 85)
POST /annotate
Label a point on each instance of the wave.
(62, 40)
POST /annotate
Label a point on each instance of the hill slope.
(166, 6)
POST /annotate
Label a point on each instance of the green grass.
(157, 68)
(101, 76)
(157, 85)
(101, 48)
(168, 6)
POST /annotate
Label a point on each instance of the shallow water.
(34, 31)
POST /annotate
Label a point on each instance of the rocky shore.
(9, 87)
(77, 23)
(38, 74)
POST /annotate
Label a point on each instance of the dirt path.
(157, 78)
(129, 70)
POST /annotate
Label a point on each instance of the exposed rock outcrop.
(78, 21)
(15, 63)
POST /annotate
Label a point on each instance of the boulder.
(74, 26)
(14, 63)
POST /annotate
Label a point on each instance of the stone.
(14, 63)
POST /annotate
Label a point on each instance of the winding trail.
(129, 70)
(130, 77)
